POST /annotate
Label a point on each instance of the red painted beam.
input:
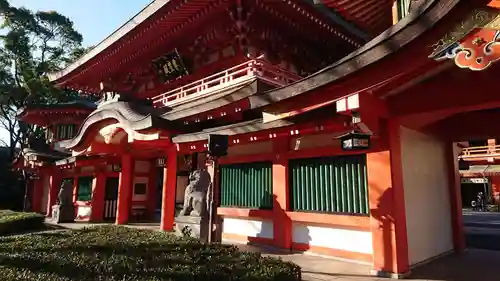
(452, 92)
(223, 112)
(338, 123)
(467, 126)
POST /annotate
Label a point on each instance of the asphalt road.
(482, 230)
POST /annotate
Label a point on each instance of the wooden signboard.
(170, 66)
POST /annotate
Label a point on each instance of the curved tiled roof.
(131, 115)
(422, 18)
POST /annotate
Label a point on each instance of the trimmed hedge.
(125, 254)
(18, 222)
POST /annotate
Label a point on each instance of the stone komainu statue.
(65, 195)
(64, 210)
(195, 196)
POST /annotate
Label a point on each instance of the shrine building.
(480, 171)
(344, 121)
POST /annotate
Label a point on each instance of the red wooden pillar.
(98, 190)
(169, 187)
(54, 186)
(76, 179)
(387, 205)
(29, 193)
(36, 199)
(282, 224)
(455, 195)
(495, 189)
(125, 189)
(151, 199)
(75, 187)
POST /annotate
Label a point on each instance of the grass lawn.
(18, 222)
(118, 253)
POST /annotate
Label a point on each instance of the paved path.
(482, 219)
(473, 265)
(480, 265)
(482, 230)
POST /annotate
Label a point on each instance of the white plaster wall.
(248, 228)
(428, 216)
(333, 238)
(83, 212)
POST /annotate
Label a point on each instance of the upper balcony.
(232, 77)
(481, 153)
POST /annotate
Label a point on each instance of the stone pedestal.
(217, 229)
(63, 214)
(196, 226)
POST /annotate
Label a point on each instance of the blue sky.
(94, 19)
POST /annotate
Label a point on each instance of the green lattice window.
(329, 184)
(247, 185)
(84, 188)
(403, 8)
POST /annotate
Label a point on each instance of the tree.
(33, 44)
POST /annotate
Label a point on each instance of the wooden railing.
(231, 77)
(480, 151)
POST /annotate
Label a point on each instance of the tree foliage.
(33, 44)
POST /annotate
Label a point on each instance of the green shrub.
(125, 254)
(18, 222)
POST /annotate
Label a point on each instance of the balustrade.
(480, 151)
(235, 76)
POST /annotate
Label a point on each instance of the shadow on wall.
(383, 213)
(281, 221)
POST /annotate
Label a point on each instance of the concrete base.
(197, 227)
(385, 274)
(62, 214)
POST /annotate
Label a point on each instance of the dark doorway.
(469, 193)
(159, 190)
(111, 198)
(474, 143)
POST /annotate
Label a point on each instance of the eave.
(38, 158)
(384, 55)
(373, 16)
(120, 33)
(338, 19)
(43, 115)
(145, 34)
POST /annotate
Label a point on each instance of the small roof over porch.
(119, 126)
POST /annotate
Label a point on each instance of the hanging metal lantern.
(117, 167)
(160, 162)
(355, 141)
